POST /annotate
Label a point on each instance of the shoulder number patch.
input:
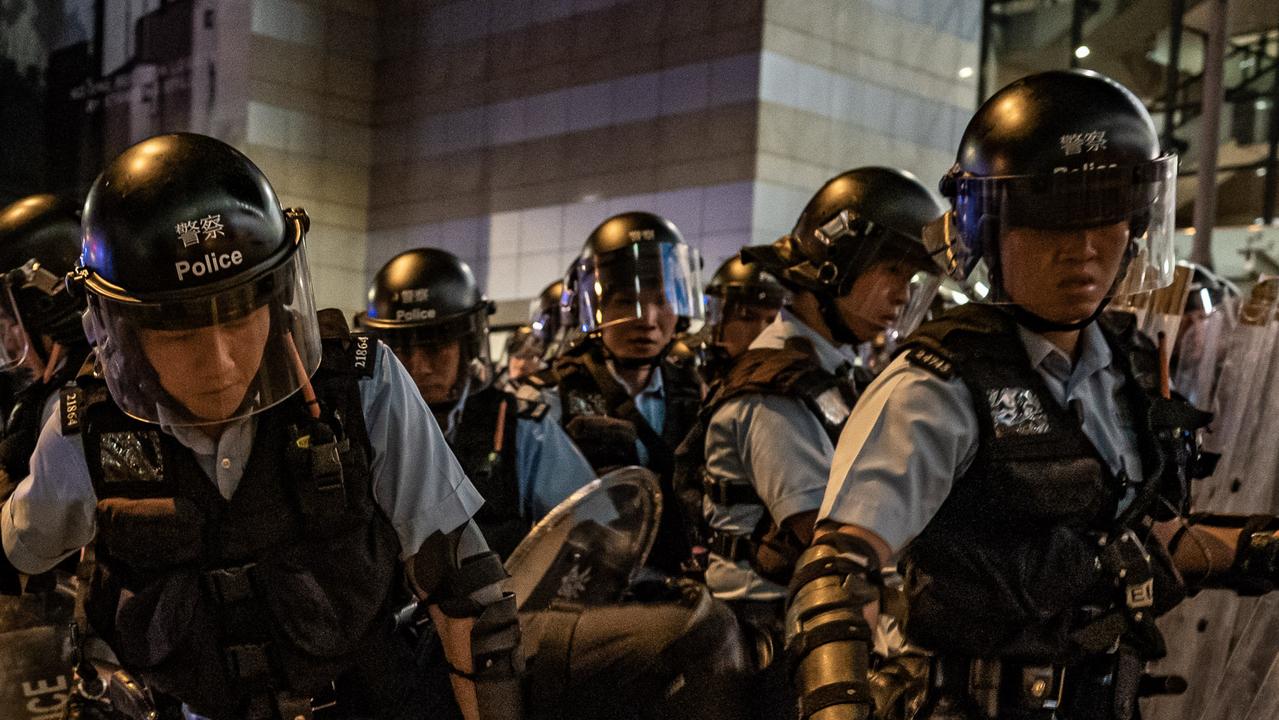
(72, 409)
(933, 362)
(363, 351)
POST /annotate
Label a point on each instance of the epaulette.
(362, 350)
(932, 361)
(76, 396)
(71, 407)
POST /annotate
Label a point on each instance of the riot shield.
(35, 656)
(587, 548)
(1247, 677)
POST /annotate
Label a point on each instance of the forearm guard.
(473, 588)
(827, 639)
(1254, 569)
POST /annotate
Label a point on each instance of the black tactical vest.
(248, 607)
(792, 371)
(490, 417)
(1014, 563)
(18, 440)
(587, 388)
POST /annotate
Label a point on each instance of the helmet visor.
(448, 358)
(14, 342)
(1059, 244)
(214, 358)
(637, 281)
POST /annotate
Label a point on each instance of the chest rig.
(485, 447)
(587, 388)
(247, 607)
(793, 372)
(1029, 556)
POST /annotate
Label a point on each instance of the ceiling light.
(1082, 52)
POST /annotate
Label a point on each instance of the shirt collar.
(829, 355)
(1094, 352)
(654, 386)
(199, 443)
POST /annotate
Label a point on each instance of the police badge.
(1016, 411)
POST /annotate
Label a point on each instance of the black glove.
(606, 442)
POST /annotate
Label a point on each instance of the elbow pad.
(458, 573)
(827, 639)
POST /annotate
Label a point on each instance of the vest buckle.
(230, 585)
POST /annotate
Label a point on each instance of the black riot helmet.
(547, 320)
(423, 299)
(194, 274)
(39, 244)
(744, 282)
(740, 290)
(858, 219)
(629, 261)
(1058, 151)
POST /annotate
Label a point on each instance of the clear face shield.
(15, 342)
(448, 359)
(213, 358)
(655, 282)
(897, 279)
(1058, 245)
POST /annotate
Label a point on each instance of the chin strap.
(839, 330)
(1041, 324)
(636, 363)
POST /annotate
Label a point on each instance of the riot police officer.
(43, 341)
(741, 300)
(619, 397)
(1018, 456)
(254, 484)
(426, 305)
(524, 355)
(773, 419)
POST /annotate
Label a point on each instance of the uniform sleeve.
(909, 436)
(52, 513)
(550, 467)
(416, 479)
(782, 447)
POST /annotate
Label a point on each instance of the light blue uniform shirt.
(777, 445)
(913, 433)
(548, 465)
(416, 480)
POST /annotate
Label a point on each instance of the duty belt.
(724, 492)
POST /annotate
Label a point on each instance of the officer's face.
(874, 302)
(209, 370)
(519, 366)
(743, 323)
(630, 337)
(1061, 275)
(434, 368)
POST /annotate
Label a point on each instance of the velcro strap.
(840, 565)
(230, 585)
(1177, 414)
(729, 546)
(803, 643)
(477, 572)
(248, 662)
(724, 492)
(839, 693)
